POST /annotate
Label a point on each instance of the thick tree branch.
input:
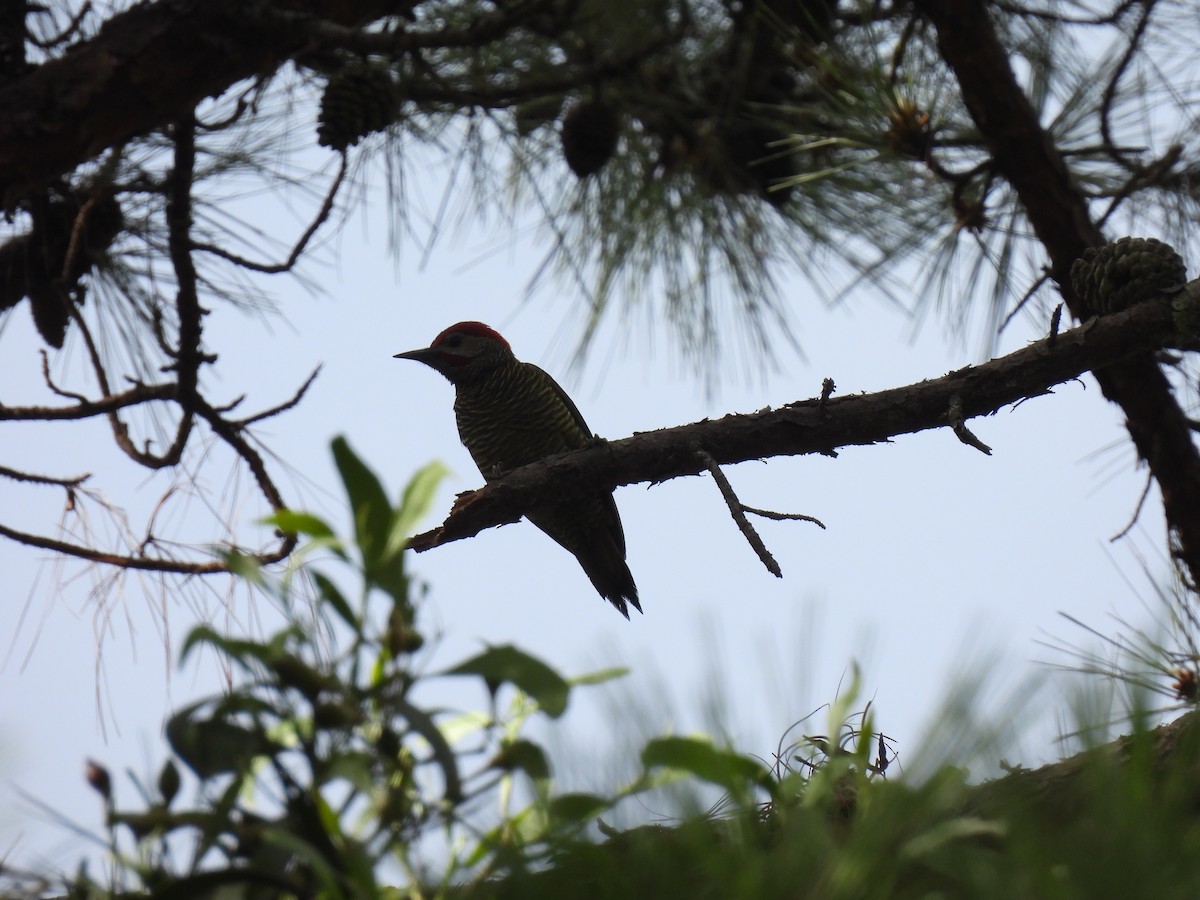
(1026, 155)
(145, 67)
(811, 426)
(1061, 788)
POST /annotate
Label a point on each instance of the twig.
(231, 434)
(86, 409)
(1020, 9)
(958, 422)
(70, 395)
(31, 478)
(145, 563)
(738, 512)
(827, 389)
(156, 325)
(901, 48)
(1055, 323)
(784, 517)
(282, 407)
(1143, 177)
(1137, 511)
(1110, 90)
(233, 404)
(300, 246)
(75, 244)
(73, 26)
(188, 356)
(239, 109)
(1025, 298)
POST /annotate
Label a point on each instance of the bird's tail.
(595, 539)
(614, 581)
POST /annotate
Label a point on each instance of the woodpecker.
(511, 413)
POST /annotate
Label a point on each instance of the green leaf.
(330, 594)
(506, 663)
(416, 502)
(306, 853)
(327, 817)
(372, 511)
(168, 782)
(352, 766)
(524, 755)
(965, 828)
(600, 676)
(236, 650)
(217, 883)
(291, 521)
(459, 727)
(243, 566)
(292, 672)
(389, 576)
(698, 756)
(213, 747)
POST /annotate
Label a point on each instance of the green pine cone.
(1127, 271)
(360, 99)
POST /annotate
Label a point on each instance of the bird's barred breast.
(515, 417)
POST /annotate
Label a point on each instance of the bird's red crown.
(475, 328)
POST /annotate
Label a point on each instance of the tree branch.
(142, 69)
(301, 244)
(738, 511)
(1028, 158)
(811, 426)
(33, 478)
(86, 409)
(141, 562)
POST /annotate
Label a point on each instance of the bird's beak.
(424, 355)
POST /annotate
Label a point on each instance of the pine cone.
(358, 100)
(36, 265)
(51, 313)
(589, 136)
(1117, 275)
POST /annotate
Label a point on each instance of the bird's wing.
(613, 517)
(575, 415)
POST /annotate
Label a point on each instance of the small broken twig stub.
(958, 422)
(827, 388)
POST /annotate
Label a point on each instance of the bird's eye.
(455, 340)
